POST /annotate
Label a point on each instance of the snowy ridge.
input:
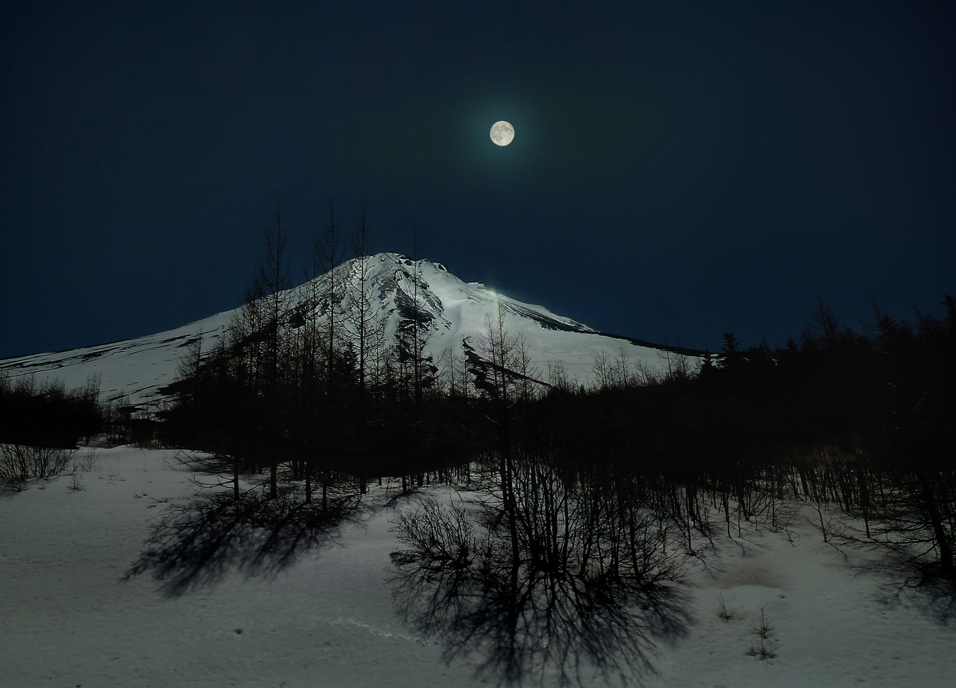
(449, 310)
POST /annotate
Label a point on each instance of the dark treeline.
(40, 426)
(863, 421)
(310, 393)
(310, 389)
(48, 415)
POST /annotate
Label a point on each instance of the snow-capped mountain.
(454, 316)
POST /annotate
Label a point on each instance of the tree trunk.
(947, 564)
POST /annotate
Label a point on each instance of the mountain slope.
(454, 315)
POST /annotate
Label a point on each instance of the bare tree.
(526, 369)
(558, 377)
(364, 330)
(330, 258)
(824, 323)
(622, 369)
(603, 371)
(360, 301)
(417, 342)
(274, 278)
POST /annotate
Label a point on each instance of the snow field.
(67, 618)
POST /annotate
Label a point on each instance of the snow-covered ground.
(328, 618)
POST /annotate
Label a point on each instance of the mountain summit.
(453, 316)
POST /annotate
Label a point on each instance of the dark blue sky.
(679, 169)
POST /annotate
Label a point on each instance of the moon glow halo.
(502, 133)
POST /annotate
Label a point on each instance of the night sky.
(679, 169)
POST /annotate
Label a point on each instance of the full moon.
(502, 133)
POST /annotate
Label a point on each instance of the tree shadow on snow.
(906, 577)
(523, 614)
(541, 626)
(195, 545)
(916, 582)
